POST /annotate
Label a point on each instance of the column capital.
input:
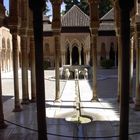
(56, 22)
(55, 2)
(117, 14)
(93, 1)
(35, 4)
(1, 1)
(126, 5)
(94, 14)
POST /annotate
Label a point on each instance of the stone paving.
(104, 114)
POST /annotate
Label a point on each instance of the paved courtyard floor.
(104, 114)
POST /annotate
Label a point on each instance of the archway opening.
(68, 56)
(82, 56)
(112, 53)
(75, 56)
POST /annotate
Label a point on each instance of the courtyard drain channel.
(78, 118)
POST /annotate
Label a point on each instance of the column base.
(33, 100)
(95, 99)
(3, 125)
(25, 101)
(118, 99)
(17, 108)
(130, 100)
(137, 107)
(57, 100)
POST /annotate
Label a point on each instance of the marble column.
(56, 26)
(24, 55)
(37, 8)
(33, 78)
(2, 123)
(24, 60)
(94, 52)
(117, 25)
(79, 50)
(94, 25)
(125, 8)
(57, 59)
(15, 71)
(70, 49)
(14, 21)
(137, 40)
(131, 70)
(32, 53)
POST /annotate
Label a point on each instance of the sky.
(6, 4)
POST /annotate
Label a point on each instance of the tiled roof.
(107, 26)
(75, 17)
(108, 16)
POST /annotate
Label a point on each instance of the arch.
(103, 51)
(75, 42)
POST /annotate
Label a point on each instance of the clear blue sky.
(6, 4)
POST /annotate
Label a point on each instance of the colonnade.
(19, 27)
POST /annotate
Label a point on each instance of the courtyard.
(104, 114)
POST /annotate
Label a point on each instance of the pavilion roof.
(109, 16)
(75, 17)
(75, 20)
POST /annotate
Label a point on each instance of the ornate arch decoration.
(76, 43)
(67, 45)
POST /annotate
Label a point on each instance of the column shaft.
(70, 56)
(15, 71)
(137, 100)
(25, 94)
(2, 123)
(80, 56)
(57, 59)
(119, 66)
(33, 79)
(124, 97)
(37, 7)
(94, 64)
(56, 26)
(131, 71)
